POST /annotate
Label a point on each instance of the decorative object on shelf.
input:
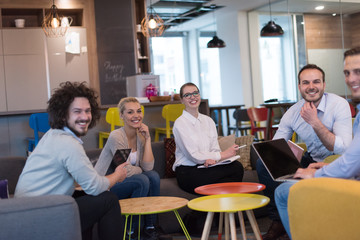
(19, 23)
(215, 42)
(271, 29)
(152, 25)
(55, 25)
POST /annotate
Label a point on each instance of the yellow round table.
(229, 204)
(152, 205)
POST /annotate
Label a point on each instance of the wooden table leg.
(242, 225)
(232, 226)
(254, 224)
(268, 124)
(221, 224)
(207, 226)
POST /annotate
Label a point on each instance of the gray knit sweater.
(118, 140)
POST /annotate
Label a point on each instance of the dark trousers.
(103, 209)
(191, 177)
(271, 185)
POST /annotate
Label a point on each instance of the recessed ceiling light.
(319, 8)
(334, 14)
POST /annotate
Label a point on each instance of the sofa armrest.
(45, 217)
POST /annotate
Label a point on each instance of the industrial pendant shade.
(152, 25)
(52, 25)
(271, 28)
(215, 42)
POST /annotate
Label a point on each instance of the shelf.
(75, 14)
(33, 16)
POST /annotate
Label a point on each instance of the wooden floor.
(263, 223)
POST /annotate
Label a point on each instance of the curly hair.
(311, 66)
(60, 101)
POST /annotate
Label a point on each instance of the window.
(277, 61)
(210, 82)
(168, 61)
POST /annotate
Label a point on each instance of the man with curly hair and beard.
(59, 160)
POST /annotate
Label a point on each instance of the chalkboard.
(115, 48)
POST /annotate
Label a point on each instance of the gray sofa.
(37, 218)
(10, 168)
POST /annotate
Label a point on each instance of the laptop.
(278, 159)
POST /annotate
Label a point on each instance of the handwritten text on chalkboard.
(113, 73)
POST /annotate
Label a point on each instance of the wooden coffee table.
(152, 205)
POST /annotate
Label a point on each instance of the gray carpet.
(263, 223)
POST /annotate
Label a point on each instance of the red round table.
(233, 187)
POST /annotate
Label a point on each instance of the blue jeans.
(146, 184)
(281, 199)
(271, 185)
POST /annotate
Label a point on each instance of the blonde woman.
(141, 180)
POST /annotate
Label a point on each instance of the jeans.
(146, 184)
(281, 199)
(271, 185)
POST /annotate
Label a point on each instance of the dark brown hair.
(60, 101)
(185, 85)
(352, 52)
(311, 66)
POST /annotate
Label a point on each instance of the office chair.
(324, 208)
(39, 122)
(170, 113)
(242, 123)
(258, 115)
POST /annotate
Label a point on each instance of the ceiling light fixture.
(52, 23)
(215, 42)
(152, 25)
(319, 8)
(271, 29)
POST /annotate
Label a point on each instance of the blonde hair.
(123, 101)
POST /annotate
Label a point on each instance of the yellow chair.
(331, 158)
(170, 113)
(324, 208)
(113, 118)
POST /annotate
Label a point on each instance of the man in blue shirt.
(347, 165)
(321, 120)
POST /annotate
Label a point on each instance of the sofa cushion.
(245, 152)
(170, 147)
(226, 142)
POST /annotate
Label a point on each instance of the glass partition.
(318, 37)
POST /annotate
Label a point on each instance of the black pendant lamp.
(271, 29)
(215, 42)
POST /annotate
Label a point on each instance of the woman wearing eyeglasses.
(197, 144)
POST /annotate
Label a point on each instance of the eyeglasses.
(188, 95)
